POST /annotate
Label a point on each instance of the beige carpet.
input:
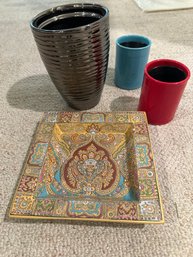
(163, 5)
(26, 92)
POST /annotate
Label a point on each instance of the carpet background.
(26, 92)
(163, 5)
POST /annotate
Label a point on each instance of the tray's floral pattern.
(94, 166)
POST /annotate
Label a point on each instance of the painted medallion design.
(96, 166)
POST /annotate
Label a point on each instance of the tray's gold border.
(158, 187)
(93, 219)
(89, 219)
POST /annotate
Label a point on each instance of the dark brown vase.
(73, 41)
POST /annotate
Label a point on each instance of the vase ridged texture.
(73, 41)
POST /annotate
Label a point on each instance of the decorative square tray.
(90, 166)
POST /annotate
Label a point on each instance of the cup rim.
(167, 62)
(51, 10)
(133, 36)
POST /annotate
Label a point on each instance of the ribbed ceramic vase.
(73, 41)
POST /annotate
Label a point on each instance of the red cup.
(163, 85)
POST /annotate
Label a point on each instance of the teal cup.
(132, 52)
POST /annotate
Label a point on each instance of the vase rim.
(56, 9)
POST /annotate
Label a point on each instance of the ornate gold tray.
(90, 166)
